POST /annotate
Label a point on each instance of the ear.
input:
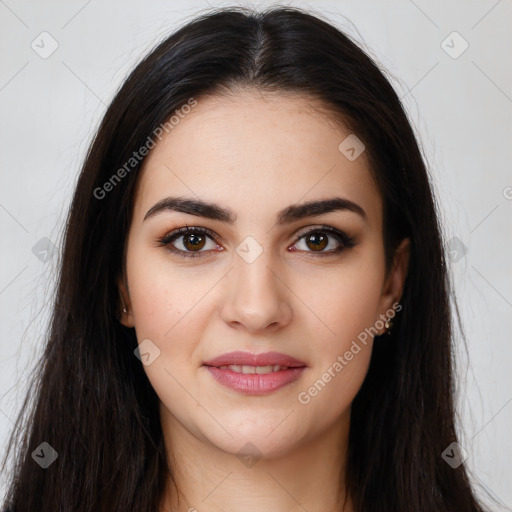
(394, 283)
(124, 301)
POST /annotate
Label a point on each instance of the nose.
(257, 297)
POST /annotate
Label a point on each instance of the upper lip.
(249, 359)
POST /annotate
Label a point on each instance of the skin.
(256, 154)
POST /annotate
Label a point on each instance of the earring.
(388, 326)
(125, 311)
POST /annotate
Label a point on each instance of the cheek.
(327, 397)
(346, 299)
(165, 308)
(168, 312)
(163, 295)
(349, 309)
(341, 357)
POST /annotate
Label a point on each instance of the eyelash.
(346, 241)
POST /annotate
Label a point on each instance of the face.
(259, 274)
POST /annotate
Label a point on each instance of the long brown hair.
(92, 401)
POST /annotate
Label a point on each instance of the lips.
(248, 359)
(255, 374)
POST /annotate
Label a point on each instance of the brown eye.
(189, 242)
(318, 241)
(194, 241)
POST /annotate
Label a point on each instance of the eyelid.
(319, 227)
(187, 229)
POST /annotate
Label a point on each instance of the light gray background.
(461, 108)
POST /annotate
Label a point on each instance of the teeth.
(254, 369)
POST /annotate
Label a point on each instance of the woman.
(253, 305)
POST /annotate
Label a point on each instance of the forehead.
(256, 154)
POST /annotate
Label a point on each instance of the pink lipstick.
(255, 374)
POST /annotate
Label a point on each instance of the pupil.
(194, 241)
(319, 240)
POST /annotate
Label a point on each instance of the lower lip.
(255, 383)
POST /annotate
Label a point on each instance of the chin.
(270, 439)
(249, 449)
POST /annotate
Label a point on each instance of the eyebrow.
(288, 215)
